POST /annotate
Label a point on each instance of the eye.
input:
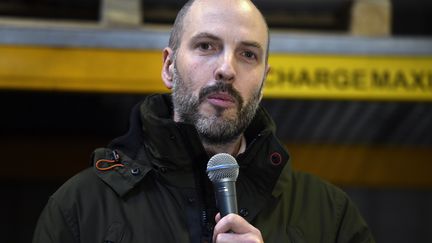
(249, 55)
(205, 46)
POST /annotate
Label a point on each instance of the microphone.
(223, 170)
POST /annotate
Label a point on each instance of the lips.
(221, 99)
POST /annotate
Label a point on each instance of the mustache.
(221, 87)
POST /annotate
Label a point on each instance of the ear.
(168, 67)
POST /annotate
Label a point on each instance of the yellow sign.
(81, 69)
(350, 77)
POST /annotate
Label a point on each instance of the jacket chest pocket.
(114, 234)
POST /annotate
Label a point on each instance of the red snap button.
(276, 158)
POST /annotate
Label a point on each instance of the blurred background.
(350, 91)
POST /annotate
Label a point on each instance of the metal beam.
(157, 38)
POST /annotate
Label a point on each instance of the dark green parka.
(157, 190)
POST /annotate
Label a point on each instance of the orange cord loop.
(109, 161)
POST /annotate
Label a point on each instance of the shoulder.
(319, 200)
(59, 221)
(317, 187)
(81, 181)
(84, 186)
(318, 195)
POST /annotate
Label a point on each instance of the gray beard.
(214, 129)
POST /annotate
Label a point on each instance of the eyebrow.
(253, 44)
(205, 35)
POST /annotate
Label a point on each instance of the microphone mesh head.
(222, 167)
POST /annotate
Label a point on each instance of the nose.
(225, 70)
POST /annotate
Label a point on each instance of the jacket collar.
(174, 145)
(155, 142)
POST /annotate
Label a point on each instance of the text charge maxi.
(350, 77)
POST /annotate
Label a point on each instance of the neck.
(232, 148)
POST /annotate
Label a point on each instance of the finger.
(233, 223)
(230, 237)
(217, 217)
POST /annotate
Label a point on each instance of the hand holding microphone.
(223, 170)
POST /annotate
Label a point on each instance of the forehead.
(236, 20)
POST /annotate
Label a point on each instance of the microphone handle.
(226, 197)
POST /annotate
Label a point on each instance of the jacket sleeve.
(54, 226)
(352, 228)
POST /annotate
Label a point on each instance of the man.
(150, 185)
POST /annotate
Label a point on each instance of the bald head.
(180, 23)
